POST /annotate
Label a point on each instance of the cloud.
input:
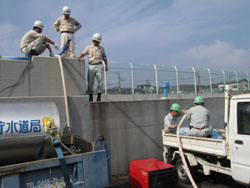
(143, 31)
(218, 55)
(169, 28)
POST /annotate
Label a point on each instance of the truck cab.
(239, 137)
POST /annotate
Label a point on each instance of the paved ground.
(217, 181)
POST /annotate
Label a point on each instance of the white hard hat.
(38, 24)
(97, 37)
(66, 10)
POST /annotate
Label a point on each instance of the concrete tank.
(22, 131)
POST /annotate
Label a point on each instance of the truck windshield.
(243, 113)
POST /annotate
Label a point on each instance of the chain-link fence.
(129, 78)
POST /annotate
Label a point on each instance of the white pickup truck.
(230, 155)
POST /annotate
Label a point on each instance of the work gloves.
(56, 46)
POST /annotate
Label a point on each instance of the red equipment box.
(151, 173)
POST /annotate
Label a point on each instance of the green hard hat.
(176, 107)
(198, 100)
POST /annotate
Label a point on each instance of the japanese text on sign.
(20, 127)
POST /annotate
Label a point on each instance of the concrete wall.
(132, 128)
(41, 77)
(131, 124)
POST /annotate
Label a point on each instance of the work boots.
(90, 97)
(98, 97)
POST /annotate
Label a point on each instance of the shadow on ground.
(216, 181)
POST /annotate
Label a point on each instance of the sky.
(184, 33)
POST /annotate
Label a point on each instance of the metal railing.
(131, 78)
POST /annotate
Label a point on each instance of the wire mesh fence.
(129, 78)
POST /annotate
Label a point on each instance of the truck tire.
(181, 172)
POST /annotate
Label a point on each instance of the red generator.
(151, 173)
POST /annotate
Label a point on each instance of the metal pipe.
(195, 84)
(177, 79)
(156, 79)
(132, 77)
(210, 80)
(237, 79)
(165, 89)
(247, 81)
(224, 78)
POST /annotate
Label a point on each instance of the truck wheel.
(181, 172)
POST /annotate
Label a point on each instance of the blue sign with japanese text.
(20, 127)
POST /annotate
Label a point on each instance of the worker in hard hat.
(67, 26)
(198, 116)
(96, 54)
(171, 120)
(34, 43)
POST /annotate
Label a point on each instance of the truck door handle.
(238, 142)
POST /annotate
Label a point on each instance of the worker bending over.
(67, 27)
(34, 43)
(198, 116)
(171, 120)
(96, 54)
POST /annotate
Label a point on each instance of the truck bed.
(204, 145)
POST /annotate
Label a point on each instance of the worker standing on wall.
(34, 43)
(198, 116)
(96, 54)
(67, 27)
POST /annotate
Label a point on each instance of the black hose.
(19, 79)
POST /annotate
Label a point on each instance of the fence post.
(132, 78)
(237, 79)
(247, 80)
(224, 78)
(195, 84)
(105, 78)
(177, 79)
(156, 79)
(210, 80)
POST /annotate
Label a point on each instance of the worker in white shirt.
(198, 116)
(96, 54)
(171, 120)
(67, 26)
(34, 43)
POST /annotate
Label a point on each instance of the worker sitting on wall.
(172, 119)
(34, 43)
(198, 116)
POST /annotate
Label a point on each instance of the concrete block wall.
(133, 128)
(41, 77)
(131, 124)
